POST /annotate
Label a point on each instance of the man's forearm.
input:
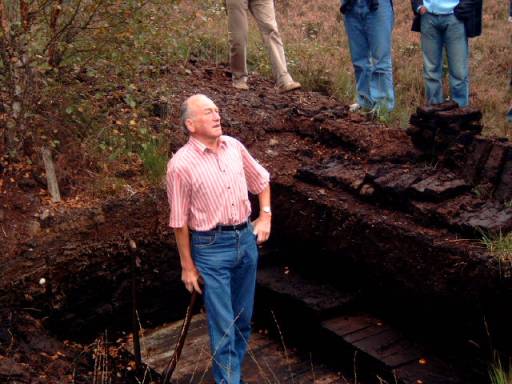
(183, 243)
(189, 273)
(263, 222)
(264, 198)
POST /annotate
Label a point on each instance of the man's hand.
(510, 19)
(262, 227)
(191, 279)
(422, 10)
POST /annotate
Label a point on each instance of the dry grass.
(318, 54)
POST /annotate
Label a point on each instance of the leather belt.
(226, 227)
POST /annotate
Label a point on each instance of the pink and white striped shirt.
(206, 188)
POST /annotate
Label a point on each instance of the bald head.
(191, 105)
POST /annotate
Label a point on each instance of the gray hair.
(185, 114)
(185, 110)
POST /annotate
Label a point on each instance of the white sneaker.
(354, 107)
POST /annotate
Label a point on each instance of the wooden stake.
(51, 178)
(135, 322)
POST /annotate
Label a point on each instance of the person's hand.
(191, 279)
(510, 19)
(262, 227)
(423, 10)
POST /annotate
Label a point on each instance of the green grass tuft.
(498, 373)
(499, 244)
(154, 158)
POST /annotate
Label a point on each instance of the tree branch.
(53, 59)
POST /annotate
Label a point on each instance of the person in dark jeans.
(446, 25)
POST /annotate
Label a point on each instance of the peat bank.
(374, 272)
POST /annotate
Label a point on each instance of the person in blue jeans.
(447, 24)
(369, 26)
(208, 181)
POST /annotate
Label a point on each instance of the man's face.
(204, 121)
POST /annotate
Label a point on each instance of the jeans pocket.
(250, 226)
(203, 241)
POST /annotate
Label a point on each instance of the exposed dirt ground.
(329, 169)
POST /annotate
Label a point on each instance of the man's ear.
(190, 125)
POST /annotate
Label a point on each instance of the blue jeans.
(227, 261)
(370, 35)
(438, 31)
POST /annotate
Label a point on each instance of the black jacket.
(468, 11)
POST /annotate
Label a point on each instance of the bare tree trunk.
(15, 24)
(54, 56)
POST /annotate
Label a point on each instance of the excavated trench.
(91, 292)
(379, 222)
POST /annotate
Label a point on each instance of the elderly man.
(208, 180)
(264, 14)
(447, 24)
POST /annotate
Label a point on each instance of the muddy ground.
(357, 194)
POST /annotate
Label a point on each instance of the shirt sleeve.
(178, 195)
(257, 177)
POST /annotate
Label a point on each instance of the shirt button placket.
(222, 168)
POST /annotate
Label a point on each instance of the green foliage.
(105, 186)
(499, 244)
(498, 373)
(154, 158)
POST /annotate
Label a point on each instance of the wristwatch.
(266, 210)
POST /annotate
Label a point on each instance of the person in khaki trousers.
(264, 13)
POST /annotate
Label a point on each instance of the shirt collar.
(203, 148)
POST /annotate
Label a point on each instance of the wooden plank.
(345, 325)
(388, 347)
(375, 343)
(427, 371)
(265, 362)
(273, 365)
(317, 375)
(399, 353)
(316, 297)
(368, 332)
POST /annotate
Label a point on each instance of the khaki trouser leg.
(237, 35)
(264, 13)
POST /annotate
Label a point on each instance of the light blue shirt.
(441, 7)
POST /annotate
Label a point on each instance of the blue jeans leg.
(438, 32)
(369, 35)
(359, 51)
(380, 28)
(227, 262)
(457, 50)
(432, 38)
(243, 285)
